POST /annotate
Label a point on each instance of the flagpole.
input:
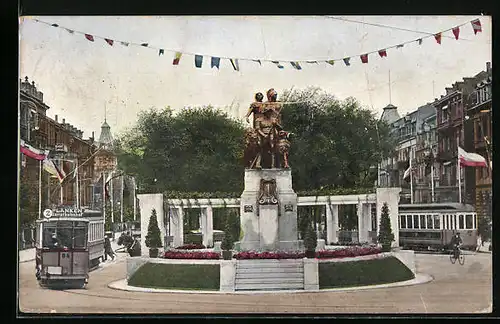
(411, 180)
(458, 173)
(77, 185)
(40, 189)
(121, 201)
(103, 194)
(111, 198)
(432, 179)
(134, 199)
(62, 191)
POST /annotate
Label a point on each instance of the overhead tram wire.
(402, 29)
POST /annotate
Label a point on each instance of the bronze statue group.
(267, 144)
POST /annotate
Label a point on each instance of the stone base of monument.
(268, 212)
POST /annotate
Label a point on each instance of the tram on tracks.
(70, 243)
(431, 226)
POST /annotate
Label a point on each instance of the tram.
(431, 226)
(70, 242)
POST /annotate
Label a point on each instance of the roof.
(105, 138)
(390, 114)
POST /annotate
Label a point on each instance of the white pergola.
(175, 210)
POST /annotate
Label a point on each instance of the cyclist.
(456, 241)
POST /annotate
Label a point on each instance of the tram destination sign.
(67, 212)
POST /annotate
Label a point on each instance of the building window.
(468, 221)
(422, 221)
(415, 221)
(436, 222)
(409, 221)
(403, 221)
(429, 221)
(460, 221)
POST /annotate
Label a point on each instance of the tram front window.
(62, 234)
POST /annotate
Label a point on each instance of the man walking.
(108, 250)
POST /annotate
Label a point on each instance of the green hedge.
(362, 273)
(177, 276)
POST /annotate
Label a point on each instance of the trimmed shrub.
(153, 238)
(177, 276)
(311, 239)
(385, 236)
(362, 273)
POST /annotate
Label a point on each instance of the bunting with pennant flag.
(296, 64)
(215, 62)
(476, 26)
(32, 152)
(51, 167)
(235, 64)
(438, 38)
(177, 58)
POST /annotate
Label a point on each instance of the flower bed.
(193, 246)
(247, 255)
(191, 255)
(348, 252)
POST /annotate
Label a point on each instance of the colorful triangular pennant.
(198, 60)
(109, 41)
(177, 58)
(89, 37)
(346, 61)
(456, 31)
(400, 46)
(364, 58)
(419, 41)
(331, 62)
(144, 44)
(258, 61)
(278, 64)
(161, 52)
(476, 26)
(438, 38)
(296, 65)
(124, 43)
(55, 25)
(235, 64)
(215, 62)
(382, 53)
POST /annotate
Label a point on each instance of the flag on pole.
(438, 38)
(408, 172)
(108, 179)
(382, 53)
(235, 64)
(109, 41)
(471, 159)
(364, 58)
(89, 37)
(51, 167)
(177, 58)
(476, 26)
(456, 31)
(32, 152)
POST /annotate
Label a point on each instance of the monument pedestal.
(268, 214)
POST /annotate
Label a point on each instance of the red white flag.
(471, 159)
(438, 38)
(32, 152)
(89, 37)
(382, 53)
(364, 58)
(456, 31)
(476, 26)
(109, 41)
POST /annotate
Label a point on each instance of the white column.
(135, 199)
(77, 175)
(210, 226)
(203, 226)
(103, 195)
(332, 223)
(121, 200)
(62, 191)
(179, 234)
(362, 230)
(111, 197)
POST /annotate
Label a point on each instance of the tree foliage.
(385, 236)
(28, 204)
(336, 144)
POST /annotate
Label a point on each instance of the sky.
(83, 81)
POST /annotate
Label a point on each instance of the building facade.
(479, 109)
(64, 143)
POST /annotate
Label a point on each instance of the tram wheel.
(461, 259)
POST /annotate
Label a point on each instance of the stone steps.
(269, 275)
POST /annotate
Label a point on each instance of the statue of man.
(274, 105)
(255, 108)
(266, 128)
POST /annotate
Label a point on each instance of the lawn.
(177, 276)
(362, 273)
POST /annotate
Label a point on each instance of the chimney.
(64, 121)
(488, 66)
(56, 118)
(92, 134)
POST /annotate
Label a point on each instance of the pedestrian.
(108, 250)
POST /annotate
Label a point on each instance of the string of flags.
(296, 64)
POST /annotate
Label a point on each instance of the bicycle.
(460, 258)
